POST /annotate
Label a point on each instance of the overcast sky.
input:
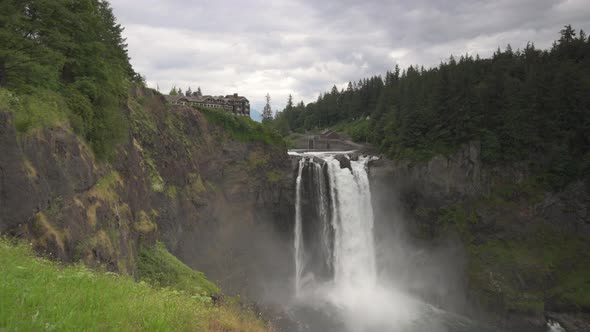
(304, 47)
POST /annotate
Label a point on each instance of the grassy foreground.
(39, 295)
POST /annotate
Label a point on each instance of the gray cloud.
(304, 47)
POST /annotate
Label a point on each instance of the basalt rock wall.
(222, 205)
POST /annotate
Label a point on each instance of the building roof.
(236, 97)
(201, 99)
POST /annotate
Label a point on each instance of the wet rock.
(579, 322)
(344, 161)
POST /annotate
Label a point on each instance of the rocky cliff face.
(224, 206)
(526, 247)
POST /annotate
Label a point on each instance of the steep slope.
(216, 197)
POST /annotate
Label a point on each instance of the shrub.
(242, 128)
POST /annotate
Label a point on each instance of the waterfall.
(352, 219)
(338, 209)
(334, 244)
(335, 257)
(298, 234)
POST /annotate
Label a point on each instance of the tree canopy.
(267, 111)
(524, 105)
(72, 49)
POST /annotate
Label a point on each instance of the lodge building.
(238, 105)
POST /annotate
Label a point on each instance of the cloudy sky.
(304, 47)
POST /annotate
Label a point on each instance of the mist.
(343, 256)
(376, 275)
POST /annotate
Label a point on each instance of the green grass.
(160, 267)
(37, 294)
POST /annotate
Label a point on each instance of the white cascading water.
(335, 255)
(352, 219)
(555, 327)
(346, 214)
(298, 243)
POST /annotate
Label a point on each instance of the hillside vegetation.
(243, 129)
(65, 62)
(522, 105)
(37, 294)
(96, 169)
(517, 126)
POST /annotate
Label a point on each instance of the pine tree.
(267, 111)
(289, 106)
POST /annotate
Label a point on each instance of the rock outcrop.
(525, 247)
(222, 205)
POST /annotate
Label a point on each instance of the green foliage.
(66, 60)
(510, 268)
(157, 183)
(459, 217)
(358, 130)
(171, 191)
(525, 105)
(196, 184)
(40, 109)
(160, 267)
(243, 129)
(36, 294)
(532, 190)
(105, 188)
(573, 289)
(547, 265)
(8, 100)
(274, 176)
(267, 111)
(145, 225)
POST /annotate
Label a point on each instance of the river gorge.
(318, 241)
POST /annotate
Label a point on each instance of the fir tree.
(267, 110)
